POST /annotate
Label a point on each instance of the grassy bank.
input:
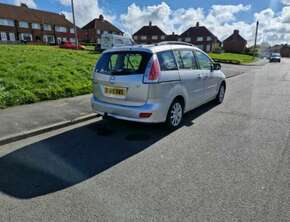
(232, 58)
(30, 74)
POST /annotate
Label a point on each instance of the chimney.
(236, 32)
(173, 33)
(150, 23)
(23, 5)
(62, 14)
(197, 24)
(101, 17)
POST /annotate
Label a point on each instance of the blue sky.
(221, 16)
(120, 6)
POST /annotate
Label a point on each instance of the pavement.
(22, 121)
(227, 163)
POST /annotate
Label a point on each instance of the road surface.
(227, 163)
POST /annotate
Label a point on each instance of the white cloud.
(285, 2)
(29, 3)
(85, 11)
(220, 19)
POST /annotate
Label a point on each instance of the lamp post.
(74, 21)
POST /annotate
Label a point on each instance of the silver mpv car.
(155, 83)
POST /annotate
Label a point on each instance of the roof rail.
(173, 43)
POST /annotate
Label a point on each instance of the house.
(201, 37)
(172, 37)
(235, 43)
(285, 51)
(149, 34)
(20, 23)
(92, 31)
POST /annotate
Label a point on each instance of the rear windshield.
(123, 63)
(275, 54)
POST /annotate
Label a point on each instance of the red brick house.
(235, 43)
(201, 37)
(92, 31)
(285, 51)
(149, 34)
(20, 23)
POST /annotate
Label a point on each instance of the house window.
(23, 24)
(35, 25)
(135, 37)
(154, 37)
(71, 30)
(208, 38)
(179, 39)
(47, 27)
(105, 32)
(60, 29)
(3, 36)
(12, 36)
(187, 39)
(7, 22)
(72, 40)
(26, 37)
(98, 31)
(143, 37)
(48, 39)
(64, 39)
(162, 37)
(58, 40)
(98, 41)
(208, 47)
(199, 39)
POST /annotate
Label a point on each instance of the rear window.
(123, 63)
(185, 59)
(166, 61)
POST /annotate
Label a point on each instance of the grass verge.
(232, 58)
(30, 74)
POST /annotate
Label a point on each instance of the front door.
(210, 81)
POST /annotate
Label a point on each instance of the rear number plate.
(115, 91)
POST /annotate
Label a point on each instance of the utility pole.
(256, 35)
(74, 21)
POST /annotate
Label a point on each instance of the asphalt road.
(227, 163)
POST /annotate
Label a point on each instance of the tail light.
(153, 73)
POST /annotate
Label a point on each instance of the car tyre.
(221, 94)
(175, 115)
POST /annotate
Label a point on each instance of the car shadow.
(74, 156)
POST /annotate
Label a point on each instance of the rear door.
(118, 78)
(210, 79)
(191, 76)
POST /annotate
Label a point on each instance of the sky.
(219, 16)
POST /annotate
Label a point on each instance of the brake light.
(154, 72)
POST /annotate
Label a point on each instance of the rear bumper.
(131, 113)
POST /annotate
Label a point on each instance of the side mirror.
(216, 66)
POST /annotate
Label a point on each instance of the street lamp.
(74, 21)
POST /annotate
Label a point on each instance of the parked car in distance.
(155, 83)
(275, 57)
(70, 45)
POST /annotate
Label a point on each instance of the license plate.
(115, 91)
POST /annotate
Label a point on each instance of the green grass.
(30, 74)
(241, 58)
